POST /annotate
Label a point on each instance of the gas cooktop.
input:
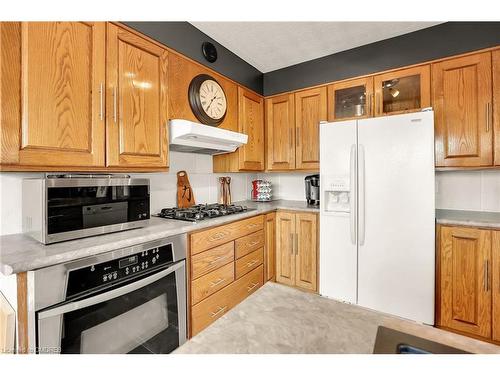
(202, 212)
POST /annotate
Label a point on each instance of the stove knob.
(126, 271)
(92, 268)
(105, 278)
(146, 264)
(153, 260)
(157, 256)
(115, 275)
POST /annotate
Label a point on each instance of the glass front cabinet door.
(402, 91)
(350, 99)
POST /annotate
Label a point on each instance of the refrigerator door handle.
(361, 195)
(352, 193)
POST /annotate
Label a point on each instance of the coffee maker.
(312, 189)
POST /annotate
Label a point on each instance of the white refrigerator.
(377, 214)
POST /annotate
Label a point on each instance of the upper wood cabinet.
(402, 91)
(251, 122)
(310, 109)
(280, 132)
(296, 249)
(465, 281)
(52, 93)
(462, 101)
(496, 104)
(180, 74)
(137, 126)
(351, 99)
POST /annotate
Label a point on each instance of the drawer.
(247, 244)
(247, 284)
(207, 239)
(210, 260)
(212, 282)
(212, 308)
(249, 262)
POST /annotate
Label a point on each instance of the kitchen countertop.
(20, 253)
(469, 218)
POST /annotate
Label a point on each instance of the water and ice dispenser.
(337, 194)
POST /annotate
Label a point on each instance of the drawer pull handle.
(250, 226)
(217, 236)
(217, 259)
(220, 310)
(253, 243)
(250, 264)
(253, 286)
(213, 284)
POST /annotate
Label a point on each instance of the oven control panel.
(97, 275)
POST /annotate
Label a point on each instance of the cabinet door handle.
(213, 284)
(101, 101)
(486, 276)
(115, 110)
(251, 263)
(488, 116)
(219, 310)
(253, 286)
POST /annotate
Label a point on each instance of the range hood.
(188, 136)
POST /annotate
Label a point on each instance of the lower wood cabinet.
(468, 295)
(296, 249)
(226, 265)
(270, 247)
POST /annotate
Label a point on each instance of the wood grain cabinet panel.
(212, 259)
(306, 251)
(270, 247)
(285, 256)
(280, 132)
(245, 245)
(496, 104)
(402, 91)
(249, 262)
(212, 282)
(462, 101)
(352, 99)
(496, 284)
(310, 110)
(137, 131)
(465, 285)
(207, 239)
(251, 122)
(52, 87)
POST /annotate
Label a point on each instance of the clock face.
(213, 100)
(207, 100)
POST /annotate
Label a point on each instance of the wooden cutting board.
(185, 196)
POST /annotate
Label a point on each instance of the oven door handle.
(77, 305)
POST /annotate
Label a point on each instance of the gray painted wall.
(187, 39)
(435, 42)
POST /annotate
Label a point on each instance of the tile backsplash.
(468, 190)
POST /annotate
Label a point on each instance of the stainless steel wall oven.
(131, 300)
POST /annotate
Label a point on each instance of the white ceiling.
(273, 45)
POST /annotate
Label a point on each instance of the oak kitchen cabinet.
(468, 281)
(462, 101)
(280, 132)
(310, 110)
(82, 96)
(52, 90)
(296, 249)
(226, 265)
(137, 120)
(270, 247)
(402, 91)
(250, 121)
(352, 99)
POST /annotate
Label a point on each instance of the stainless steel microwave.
(65, 207)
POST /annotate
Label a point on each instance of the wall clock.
(207, 100)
